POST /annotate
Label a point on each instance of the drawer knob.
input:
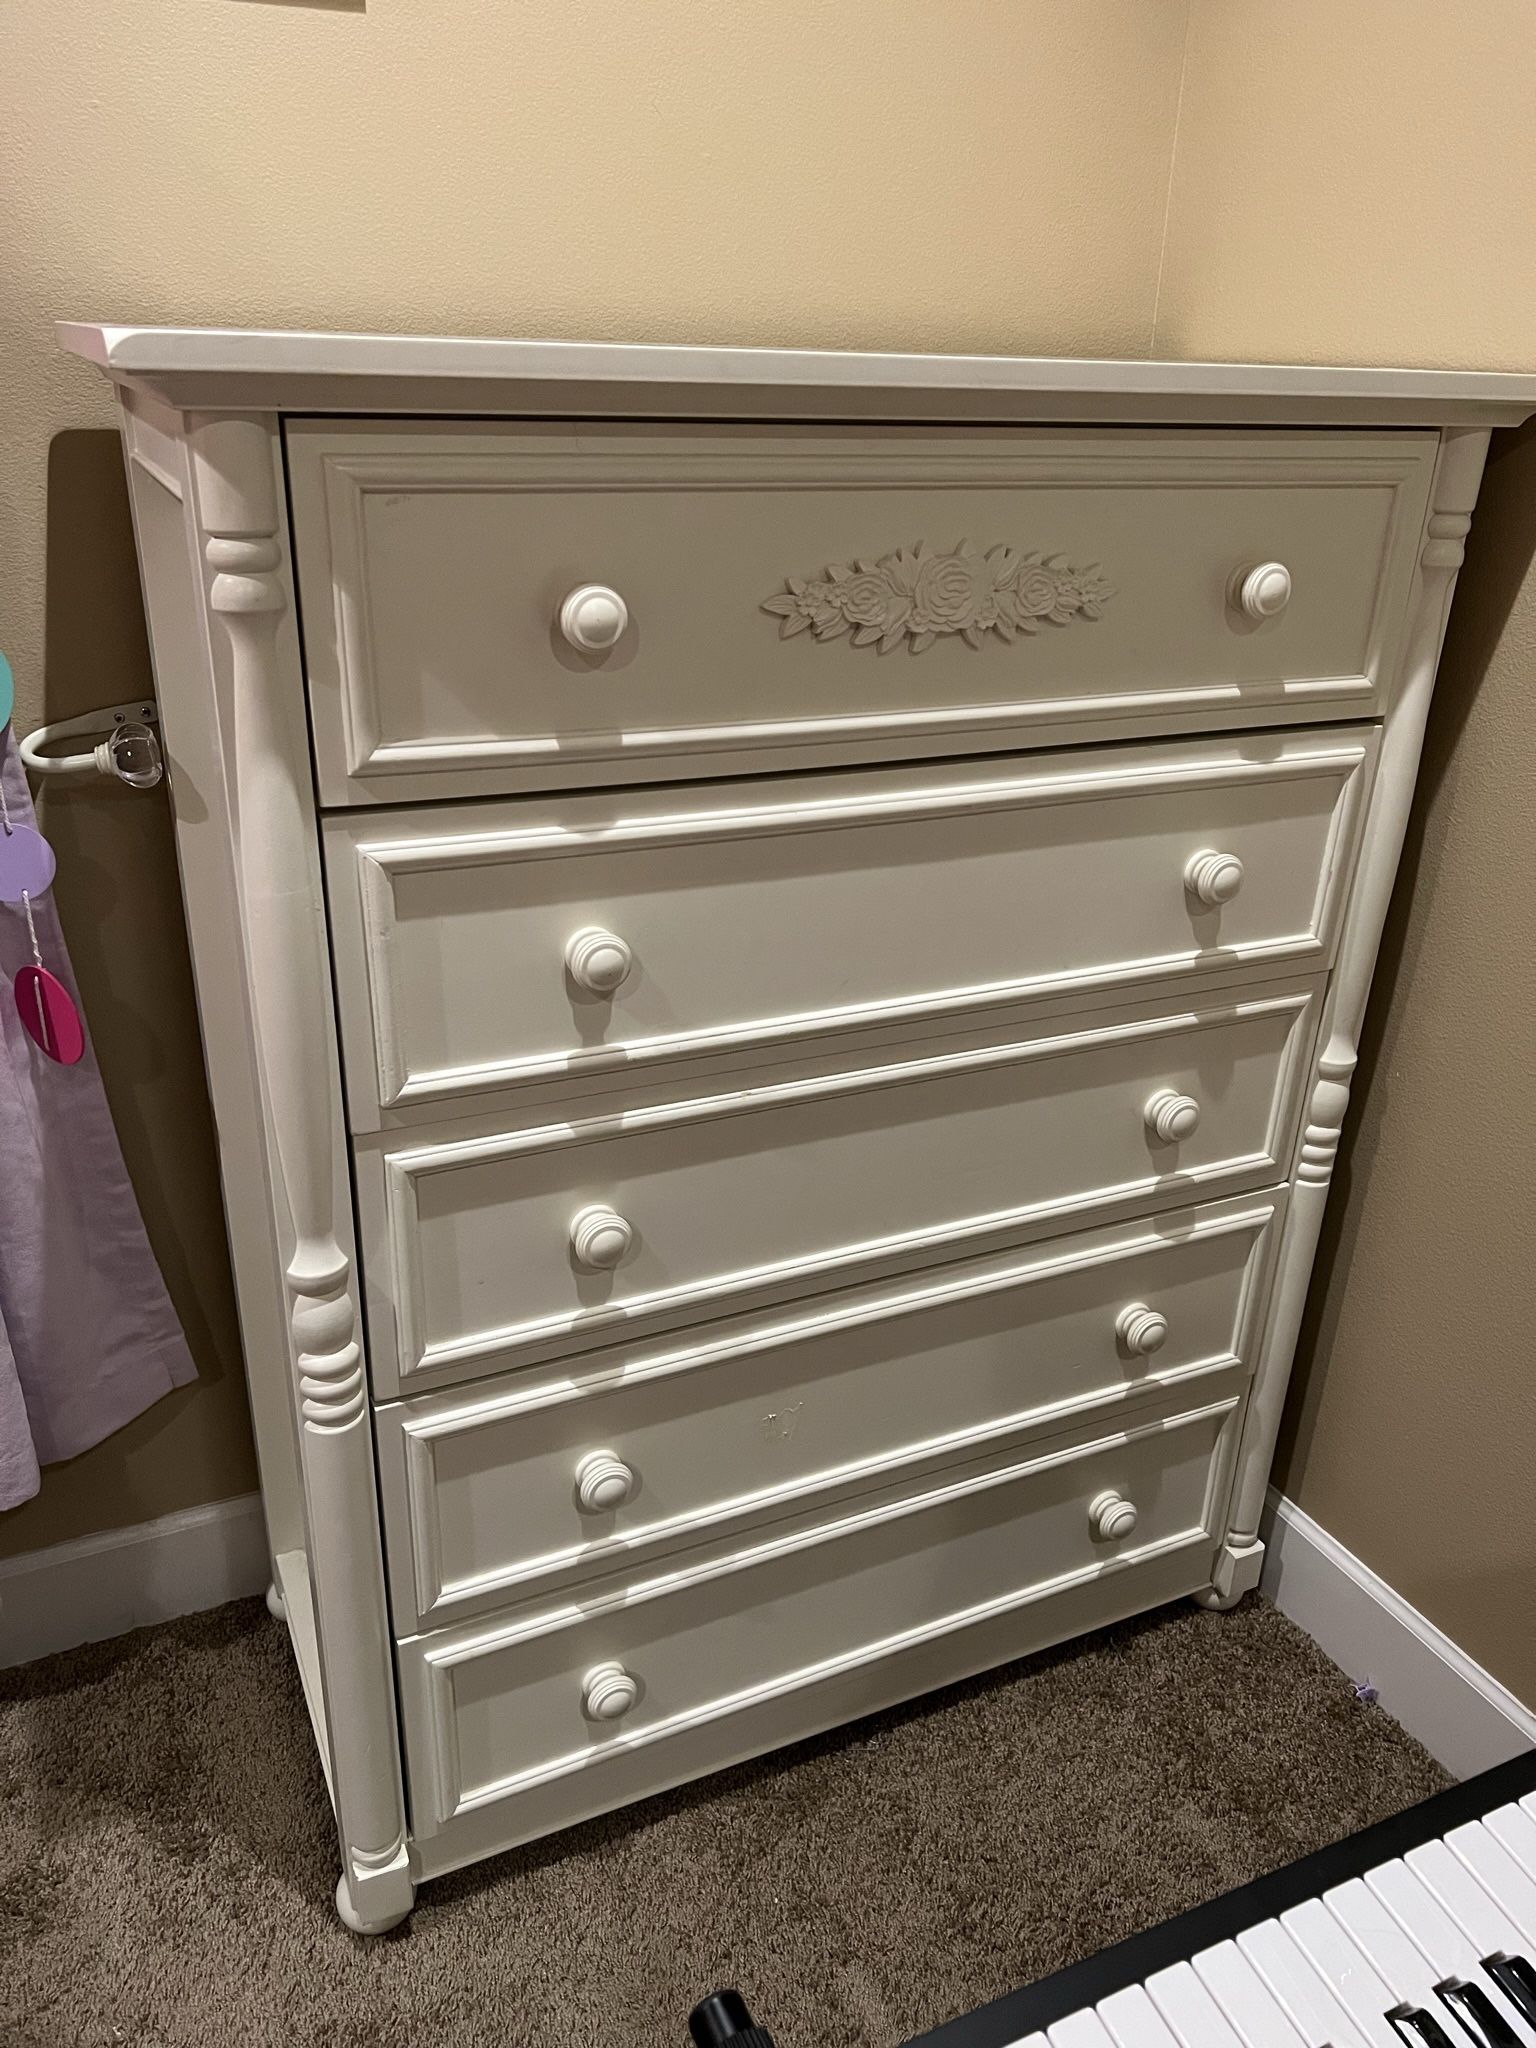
(1172, 1116)
(593, 617)
(1112, 1517)
(1214, 877)
(1141, 1330)
(1264, 592)
(599, 961)
(608, 1692)
(600, 1236)
(603, 1481)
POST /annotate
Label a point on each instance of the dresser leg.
(1237, 1572)
(277, 1607)
(374, 1901)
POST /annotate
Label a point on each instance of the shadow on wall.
(119, 896)
(1500, 554)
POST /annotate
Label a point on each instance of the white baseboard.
(126, 1578)
(1465, 1719)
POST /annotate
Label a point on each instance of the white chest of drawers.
(780, 940)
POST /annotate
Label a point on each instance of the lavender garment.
(88, 1337)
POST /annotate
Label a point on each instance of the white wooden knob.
(1112, 1517)
(1172, 1116)
(1141, 1330)
(1214, 877)
(603, 1481)
(600, 1236)
(608, 1692)
(593, 617)
(1265, 591)
(597, 961)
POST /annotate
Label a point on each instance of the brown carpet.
(166, 1857)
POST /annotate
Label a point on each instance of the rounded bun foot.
(353, 1923)
(1216, 1602)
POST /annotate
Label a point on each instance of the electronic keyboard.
(1419, 1931)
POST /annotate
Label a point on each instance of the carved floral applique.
(918, 593)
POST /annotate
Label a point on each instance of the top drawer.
(798, 597)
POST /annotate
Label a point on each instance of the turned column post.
(1452, 497)
(277, 861)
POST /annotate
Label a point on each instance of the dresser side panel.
(191, 734)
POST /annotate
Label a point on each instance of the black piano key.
(1516, 1978)
(1420, 2029)
(1478, 2014)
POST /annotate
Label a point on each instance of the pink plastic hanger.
(45, 1006)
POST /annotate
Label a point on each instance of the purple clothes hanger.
(44, 1004)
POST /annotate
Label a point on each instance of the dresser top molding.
(217, 369)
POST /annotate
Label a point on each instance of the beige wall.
(979, 174)
(1357, 183)
(1351, 182)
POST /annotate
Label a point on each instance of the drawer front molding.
(1022, 1525)
(1026, 880)
(394, 571)
(756, 1410)
(918, 593)
(1277, 1031)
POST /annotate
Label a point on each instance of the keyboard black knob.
(722, 2021)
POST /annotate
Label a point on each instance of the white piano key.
(1245, 1998)
(1516, 1829)
(1308, 2002)
(1031, 2041)
(1432, 1930)
(1135, 2021)
(1190, 2010)
(1490, 1930)
(1347, 1969)
(1080, 2030)
(1500, 1876)
(1401, 1966)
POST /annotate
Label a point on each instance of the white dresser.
(780, 939)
